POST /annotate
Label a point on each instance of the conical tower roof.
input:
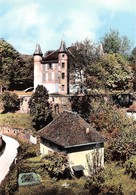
(38, 50)
(62, 48)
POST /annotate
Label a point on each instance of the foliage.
(40, 108)
(27, 151)
(10, 102)
(11, 64)
(130, 167)
(114, 43)
(134, 53)
(56, 164)
(118, 73)
(81, 105)
(12, 183)
(83, 55)
(15, 71)
(108, 119)
(17, 120)
(28, 71)
(124, 146)
(97, 186)
(108, 71)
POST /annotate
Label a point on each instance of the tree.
(81, 105)
(124, 146)
(40, 108)
(118, 73)
(114, 43)
(83, 54)
(10, 102)
(14, 70)
(108, 119)
(134, 53)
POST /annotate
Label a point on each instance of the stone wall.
(22, 134)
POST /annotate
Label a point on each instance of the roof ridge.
(51, 53)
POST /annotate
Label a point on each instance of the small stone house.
(71, 134)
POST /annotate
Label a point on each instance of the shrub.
(96, 185)
(130, 167)
(56, 164)
(10, 102)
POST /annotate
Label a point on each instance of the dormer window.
(50, 66)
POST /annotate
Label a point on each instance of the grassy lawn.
(17, 120)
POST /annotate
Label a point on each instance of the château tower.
(51, 70)
(37, 65)
(63, 69)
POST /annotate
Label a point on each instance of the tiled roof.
(51, 55)
(70, 129)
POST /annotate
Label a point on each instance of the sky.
(24, 23)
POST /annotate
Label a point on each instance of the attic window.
(50, 66)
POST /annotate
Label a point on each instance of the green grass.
(16, 120)
(116, 176)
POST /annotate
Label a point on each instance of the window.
(63, 87)
(63, 65)
(44, 67)
(63, 55)
(63, 75)
(50, 66)
(44, 76)
(56, 77)
(50, 76)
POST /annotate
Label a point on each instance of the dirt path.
(8, 156)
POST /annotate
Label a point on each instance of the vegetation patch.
(17, 120)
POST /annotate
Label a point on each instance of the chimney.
(87, 130)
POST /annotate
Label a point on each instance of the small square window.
(63, 87)
(63, 65)
(50, 66)
(44, 77)
(63, 75)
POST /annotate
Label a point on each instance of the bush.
(130, 167)
(56, 165)
(97, 186)
(10, 102)
(124, 146)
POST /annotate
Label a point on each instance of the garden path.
(7, 158)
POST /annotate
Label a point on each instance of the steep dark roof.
(62, 47)
(51, 55)
(69, 129)
(38, 50)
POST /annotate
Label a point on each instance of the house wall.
(91, 159)
(44, 150)
(88, 159)
(131, 115)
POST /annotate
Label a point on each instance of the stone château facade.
(51, 70)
